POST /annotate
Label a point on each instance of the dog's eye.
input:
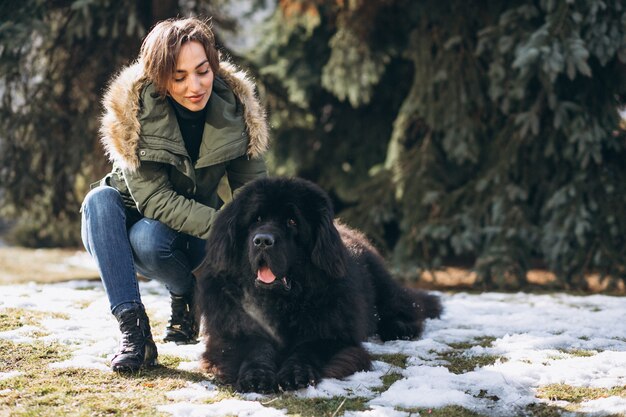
(291, 223)
(259, 219)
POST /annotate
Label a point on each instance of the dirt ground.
(538, 279)
(20, 265)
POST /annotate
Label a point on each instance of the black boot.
(137, 348)
(183, 327)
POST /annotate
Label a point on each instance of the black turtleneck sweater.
(191, 124)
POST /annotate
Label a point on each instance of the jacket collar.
(120, 127)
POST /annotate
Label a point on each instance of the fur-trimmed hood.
(120, 126)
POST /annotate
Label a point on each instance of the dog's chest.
(285, 322)
(265, 315)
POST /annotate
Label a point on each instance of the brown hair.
(161, 47)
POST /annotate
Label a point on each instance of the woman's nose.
(194, 83)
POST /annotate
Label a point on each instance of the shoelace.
(131, 340)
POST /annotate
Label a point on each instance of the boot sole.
(180, 338)
(151, 359)
(182, 342)
(125, 369)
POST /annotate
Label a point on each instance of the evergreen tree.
(478, 131)
(55, 58)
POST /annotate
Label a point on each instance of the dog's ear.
(221, 250)
(329, 253)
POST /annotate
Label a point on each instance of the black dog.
(287, 295)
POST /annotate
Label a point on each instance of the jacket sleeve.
(155, 197)
(243, 170)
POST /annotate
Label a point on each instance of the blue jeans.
(123, 244)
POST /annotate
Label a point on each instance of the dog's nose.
(263, 240)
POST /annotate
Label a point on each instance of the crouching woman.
(175, 123)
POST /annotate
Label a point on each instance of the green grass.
(318, 407)
(388, 380)
(568, 353)
(398, 360)
(39, 390)
(580, 352)
(43, 391)
(573, 395)
(485, 341)
(14, 318)
(564, 392)
(448, 411)
(395, 359)
(459, 362)
(29, 357)
(544, 410)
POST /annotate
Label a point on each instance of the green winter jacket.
(151, 167)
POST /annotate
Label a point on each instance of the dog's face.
(275, 229)
(277, 240)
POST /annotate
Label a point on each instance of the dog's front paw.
(257, 380)
(295, 375)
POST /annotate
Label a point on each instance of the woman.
(176, 122)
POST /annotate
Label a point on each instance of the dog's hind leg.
(401, 311)
(402, 316)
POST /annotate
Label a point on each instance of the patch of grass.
(580, 352)
(448, 411)
(318, 407)
(398, 360)
(387, 380)
(395, 359)
(14, 318)
(564, 392)
(29, 357)
(544, 410)
(548, 410)
(485, 342)
(43, 391)
(567, 353)
(169, 361)
(459, 362)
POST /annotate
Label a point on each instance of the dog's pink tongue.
(265, 274)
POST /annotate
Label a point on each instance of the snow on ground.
(535, 336)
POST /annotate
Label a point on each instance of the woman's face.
(192, 81)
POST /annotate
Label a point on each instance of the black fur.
(331, 292)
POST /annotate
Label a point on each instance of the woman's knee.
(152, 241)
(102, 201)
(160, 254)
(102, 211)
